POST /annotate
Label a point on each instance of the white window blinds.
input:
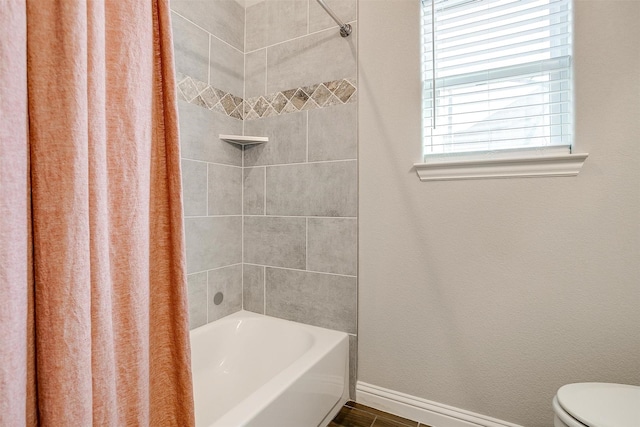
(501, 70)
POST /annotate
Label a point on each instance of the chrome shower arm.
(345, 29)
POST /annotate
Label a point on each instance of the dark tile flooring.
(355, 414)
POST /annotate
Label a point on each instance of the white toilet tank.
(600, 404)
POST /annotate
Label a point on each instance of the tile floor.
(355, 414)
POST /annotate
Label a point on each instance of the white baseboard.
(424, 411)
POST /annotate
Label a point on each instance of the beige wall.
(488, 295)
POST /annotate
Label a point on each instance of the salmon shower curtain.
(94, 324)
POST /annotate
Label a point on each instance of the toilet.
(597, 405)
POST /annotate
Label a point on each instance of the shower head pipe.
(345, 29)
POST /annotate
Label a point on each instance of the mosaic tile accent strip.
(199, 93)
(321, 95)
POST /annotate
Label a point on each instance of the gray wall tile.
(275, 21)
(253, 288)
(255, 73)
(333, 133)
(318, 299)
(194, 188)
(314, 189)
(275, 241)
(197, 298)
(256, 26)
(332, 245)
(287, 140)
(287, 19)
(191, 47)
(227, 280)
(222, 18)
(226, 68)
(253, 191)
(213, 242)
(318, 57)
(225, 190)
(199, 130)
(320, 20)
(353, 365)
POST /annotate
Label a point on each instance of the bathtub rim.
(325, 341)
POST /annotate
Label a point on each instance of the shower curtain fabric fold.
(94, 325)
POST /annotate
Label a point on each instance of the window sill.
(524, 166)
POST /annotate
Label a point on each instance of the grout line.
(228, 44)
(264, 290)
(213, 216)
(305, 35)
(244, 79)
(244, 96)
(207, 31)
(266, 70)
(302, 271)
(207, 295)
(211, 163)
(209, 61)
(214, 269)
(308, 13)
(306, 244)
(297, 216)
(307, 118)
(307, 163)
(264, 194)
(206, 196)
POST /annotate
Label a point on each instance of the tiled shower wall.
(300, 188)
(209, 51)
(273, 227)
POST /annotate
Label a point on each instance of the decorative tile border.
(321, 95)
(199, 93)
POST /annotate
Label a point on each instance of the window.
(496, 76)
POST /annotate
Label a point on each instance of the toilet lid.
(602, 404)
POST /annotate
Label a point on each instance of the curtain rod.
(345, 29)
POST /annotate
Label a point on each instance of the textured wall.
(488, 295)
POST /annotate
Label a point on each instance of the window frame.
(548, 161)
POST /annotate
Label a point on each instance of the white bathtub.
(259, 371)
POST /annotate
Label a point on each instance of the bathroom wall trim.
(424, 411)
(530, 166)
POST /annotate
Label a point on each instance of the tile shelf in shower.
(244, 139)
